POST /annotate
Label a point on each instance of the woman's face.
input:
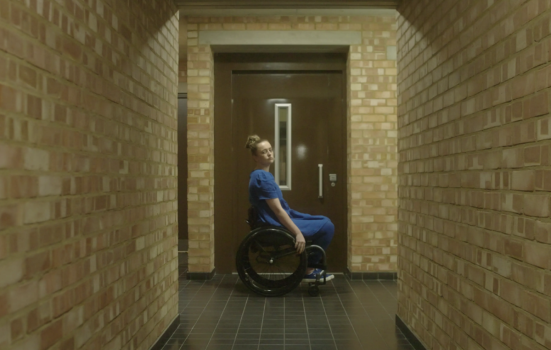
(264, 153)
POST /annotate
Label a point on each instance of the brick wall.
(372, 141)
(474, 210)
(88, 229)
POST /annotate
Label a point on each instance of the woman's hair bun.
(252, 140)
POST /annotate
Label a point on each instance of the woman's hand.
(285, 220)
(300, 243)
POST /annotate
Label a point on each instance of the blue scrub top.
(262, 186)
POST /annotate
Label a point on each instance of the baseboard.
(160, 343)
(200, 276)
(415, 342)
(386, 276)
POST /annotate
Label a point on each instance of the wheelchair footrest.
(320, 279)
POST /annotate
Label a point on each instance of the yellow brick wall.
(474, 204)
(88, 229)
(372, 136)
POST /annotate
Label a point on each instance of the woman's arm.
(285, 220)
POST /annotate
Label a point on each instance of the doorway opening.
(306, 94)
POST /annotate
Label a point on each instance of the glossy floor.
(223, 314)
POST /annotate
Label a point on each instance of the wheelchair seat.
(267, 261)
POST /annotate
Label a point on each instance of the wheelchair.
(267, 261)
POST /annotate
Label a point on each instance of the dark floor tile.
(226, 329)
(179, 336)
(193, 347)
(347, 342)
(249, 331)
(304, 343)
(196, 334)
(345, 336)
(347, 315)
(323, 346)
(247, 336)
(295, 347)
(221, 342)
(320, 335)
(272, 335)
(321, 341)
(219, 336)
(172, 346)
(350, 347)
(245, 347)
(219, 347)
(296, 330)
(271, 342)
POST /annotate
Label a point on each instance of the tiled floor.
(223, 314)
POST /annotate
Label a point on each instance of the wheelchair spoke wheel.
(267, 262)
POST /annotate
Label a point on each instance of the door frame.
(224, 65)
(182, 171)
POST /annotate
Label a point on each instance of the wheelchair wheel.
(267, 262)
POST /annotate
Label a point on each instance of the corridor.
(118, 125)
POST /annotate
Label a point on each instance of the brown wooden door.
(318, 137)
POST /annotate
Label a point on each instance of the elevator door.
(314, 100)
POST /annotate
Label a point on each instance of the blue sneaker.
(312, 277)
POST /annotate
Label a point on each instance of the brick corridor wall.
(372, 135)
(474, 173)
(88, 228)
(200, 148)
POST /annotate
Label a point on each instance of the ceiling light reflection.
(301, 152)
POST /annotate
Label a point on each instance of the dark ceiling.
(287, 4)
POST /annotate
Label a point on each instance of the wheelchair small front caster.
(313, 290)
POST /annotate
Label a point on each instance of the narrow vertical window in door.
(283, 145)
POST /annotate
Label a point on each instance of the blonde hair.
(252, 143)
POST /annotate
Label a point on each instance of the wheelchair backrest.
(253, 220)
(252, 217)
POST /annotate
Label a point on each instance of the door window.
(282, 139)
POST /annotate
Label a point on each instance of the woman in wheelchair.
(266, 196)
